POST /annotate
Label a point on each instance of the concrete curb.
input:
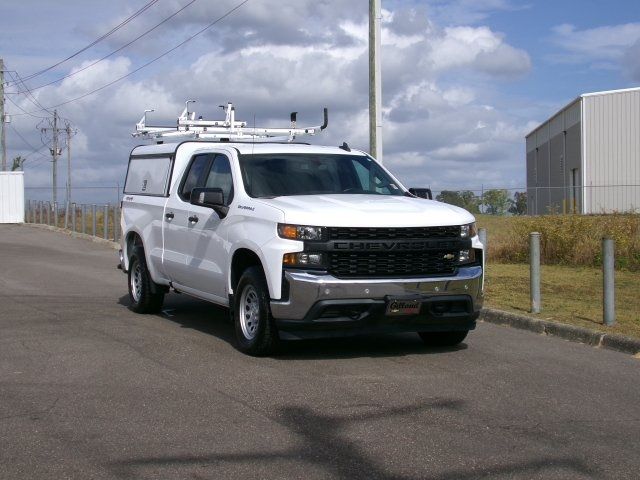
(84, 236)
(572, 333)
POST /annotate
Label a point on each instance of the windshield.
(275, 175)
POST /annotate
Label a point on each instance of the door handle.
(169, 216)
(193, 219)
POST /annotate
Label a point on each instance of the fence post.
(608, 282)
(534, 257)
(482, 233)
(73, 217)
(83, 218)
(93, 216)
(40, 213)
(49, 213)
(115, 223)
(66, 215)
(55, 214)
(105, 220)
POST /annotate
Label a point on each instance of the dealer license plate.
(403, 307)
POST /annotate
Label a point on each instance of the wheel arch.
(242, 259)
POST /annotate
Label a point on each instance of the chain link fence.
(98, 220)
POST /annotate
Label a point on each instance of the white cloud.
(604, 48)
(434, 127)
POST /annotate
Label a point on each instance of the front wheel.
(145, 295)
(256, 333)
(443, 339)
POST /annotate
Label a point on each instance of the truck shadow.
(214, 320)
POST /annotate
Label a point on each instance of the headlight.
(468, 231)
(300, 232)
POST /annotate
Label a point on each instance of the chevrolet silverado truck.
(297, 240)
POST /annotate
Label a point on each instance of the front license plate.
(403, 307)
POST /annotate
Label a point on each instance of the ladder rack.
(229, 129)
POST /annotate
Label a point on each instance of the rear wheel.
(256, 333)
(145, 295)
(443, 339)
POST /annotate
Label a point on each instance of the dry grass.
(570, 295)
(566, 239)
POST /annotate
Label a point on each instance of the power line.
(199, 32)
(99, 39)
(33, 149)
(29, 95)
(23, 110)
(114, 52)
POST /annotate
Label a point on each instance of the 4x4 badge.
(449, 256)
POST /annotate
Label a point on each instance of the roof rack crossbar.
(228, 129)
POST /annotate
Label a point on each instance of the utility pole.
(375, 81)
(3, 135)
(68, 131)
(55, 153)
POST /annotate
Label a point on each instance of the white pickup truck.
(298, 241)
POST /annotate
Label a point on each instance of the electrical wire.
(33, 149)
(99, 39)
(23, 110)
(115, 51)
(30, 96)
(199, 32)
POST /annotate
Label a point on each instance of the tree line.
(492, 202)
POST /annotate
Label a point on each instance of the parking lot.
(90, 389)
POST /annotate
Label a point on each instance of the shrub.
(566, 239)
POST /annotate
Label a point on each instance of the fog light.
(467, 256)
(303, 259)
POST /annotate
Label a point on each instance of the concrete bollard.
(608, 282)
(94, 219)
(482, 234)
(534, 257)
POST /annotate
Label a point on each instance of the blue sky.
(463, 80)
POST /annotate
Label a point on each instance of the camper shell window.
(148, 175)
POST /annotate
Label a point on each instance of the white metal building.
(586, 157)
(11, 197)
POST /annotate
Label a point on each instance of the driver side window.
(219, 176)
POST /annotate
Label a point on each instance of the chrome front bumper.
(306, 289)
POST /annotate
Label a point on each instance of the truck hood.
(346, 210)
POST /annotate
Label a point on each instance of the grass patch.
(570, 295)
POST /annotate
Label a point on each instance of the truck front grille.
(392, 264)
(392, 233)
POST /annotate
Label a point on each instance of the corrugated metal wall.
(11, 197)
(553, 153)
(612, 151)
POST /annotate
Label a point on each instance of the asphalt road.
(89, 389)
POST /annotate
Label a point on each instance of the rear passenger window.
(196, 169)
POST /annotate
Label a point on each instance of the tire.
(256, 332)
(443, 339)
(145, 295)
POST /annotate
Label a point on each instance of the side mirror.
(422, 192)
(211, 198)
